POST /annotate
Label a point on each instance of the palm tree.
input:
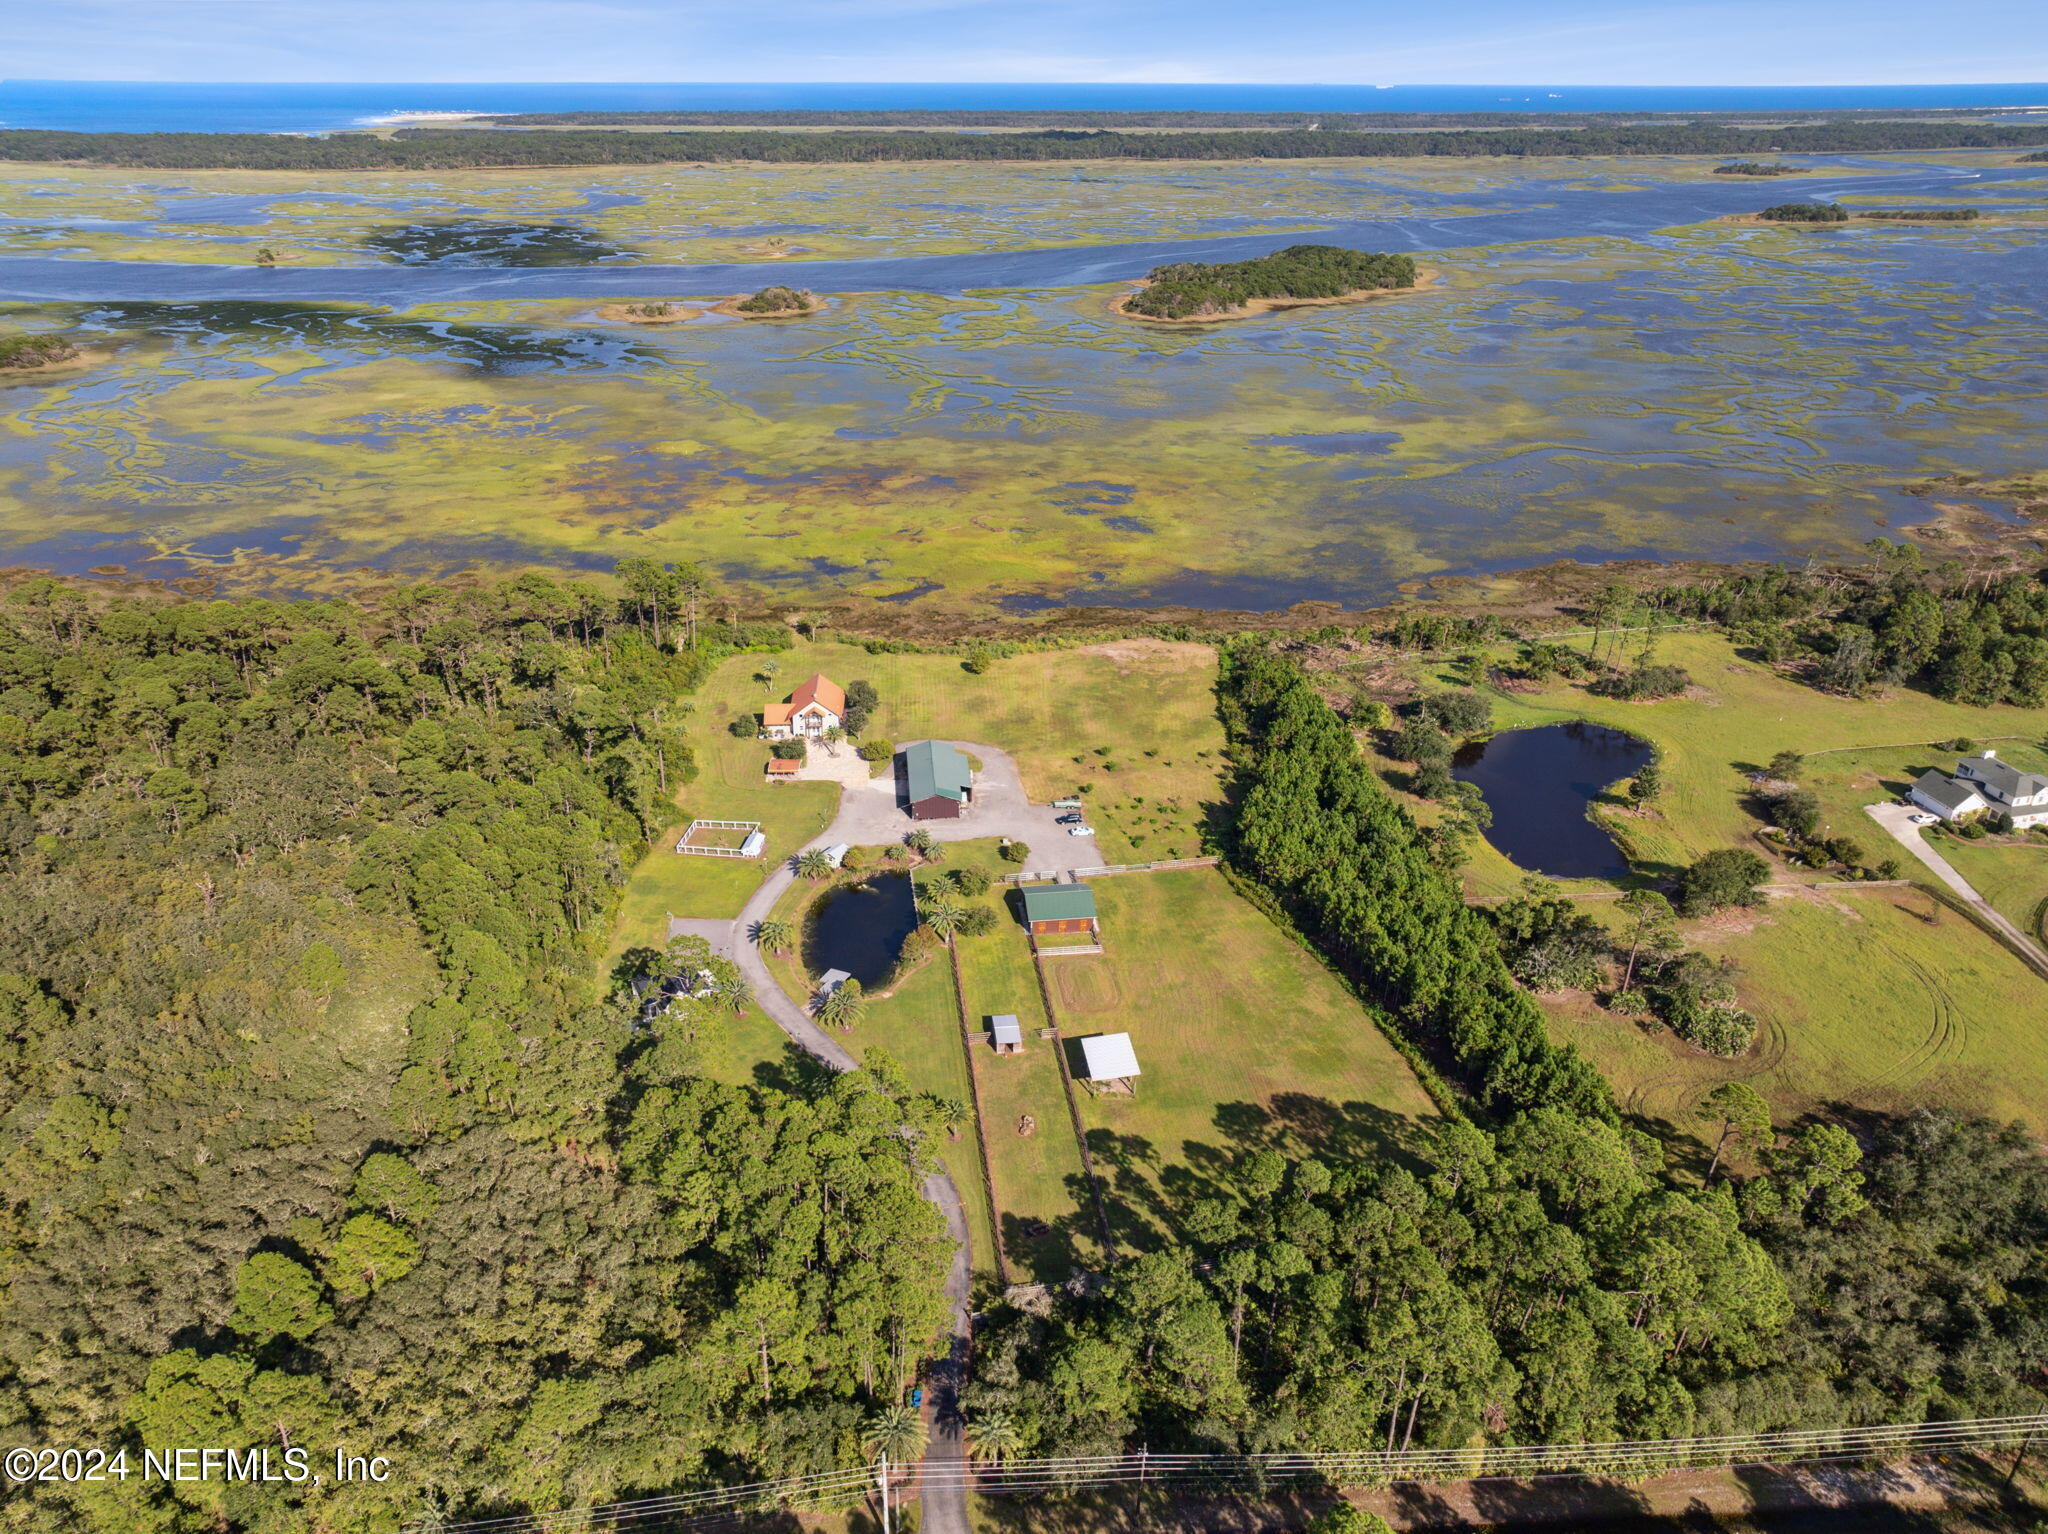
(814, 864)
(774, 934)
(843, 1005)
(919, 841)
(730, 986)
(992, 1435)
(897, 1431)
(832, 737)
(943, 915)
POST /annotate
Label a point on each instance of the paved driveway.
(872, 814)
(1898, 820)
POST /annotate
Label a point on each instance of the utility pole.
(882, 1476)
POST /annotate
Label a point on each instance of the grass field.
(1048, 1217)
(1866, 999)
(1146, 706)
(2013, 879)
(1740, 715)
(1243, 1038)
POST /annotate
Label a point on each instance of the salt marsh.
(972, 430)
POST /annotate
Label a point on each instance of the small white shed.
(1006, 1033)
(753, 845)
(1108, 1057)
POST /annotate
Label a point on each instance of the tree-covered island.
(1188, 290)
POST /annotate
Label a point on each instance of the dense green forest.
(454, 148)
(1908, 621)
(1187, 289)
(1804, 213)
(1533, 1270)
(1758, 168)
(320, 1124)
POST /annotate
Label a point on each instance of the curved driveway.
(870, 814)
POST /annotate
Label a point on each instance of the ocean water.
(149, 107)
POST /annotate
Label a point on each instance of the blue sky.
(1577, 42)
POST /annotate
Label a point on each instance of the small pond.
(860, 928)
(1540, 784)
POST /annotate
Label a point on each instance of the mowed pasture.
(1867, 998)
(1129, 724)
(2014, 878)
(1739, 714)
(1244, 1040)
(1046, 1213)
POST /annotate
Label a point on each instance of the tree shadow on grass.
(1048, 1251)
(1302, 1123)
(1129, 1169)
(1683, 1152)
(797, 1072)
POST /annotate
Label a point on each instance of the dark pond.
(1540, 783)
(860, 928)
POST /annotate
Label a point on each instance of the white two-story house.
(1983, 784)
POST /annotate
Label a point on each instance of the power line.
(1263, 1471)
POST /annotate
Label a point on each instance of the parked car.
(1070, 820)
(1080, 830)
(1921, 820)
(917, 1395)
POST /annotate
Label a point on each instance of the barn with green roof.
(937, 780)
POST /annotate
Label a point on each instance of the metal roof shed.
(1108, 1057)
(1006, 1033)
(753, 845)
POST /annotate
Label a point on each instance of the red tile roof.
(820, 689)
(778, 768)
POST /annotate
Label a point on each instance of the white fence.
(751, 827)
(1163, 866)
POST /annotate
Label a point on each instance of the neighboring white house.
(1940, 794)
(2018, 798)
(1985, 785)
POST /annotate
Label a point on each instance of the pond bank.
(1541, 784)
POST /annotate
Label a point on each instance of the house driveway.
(871, 814)
(1897, 819)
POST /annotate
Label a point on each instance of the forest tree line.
(1963, 636)
(322, 1121)
(457, 148)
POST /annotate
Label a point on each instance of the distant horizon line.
(1163, 85)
